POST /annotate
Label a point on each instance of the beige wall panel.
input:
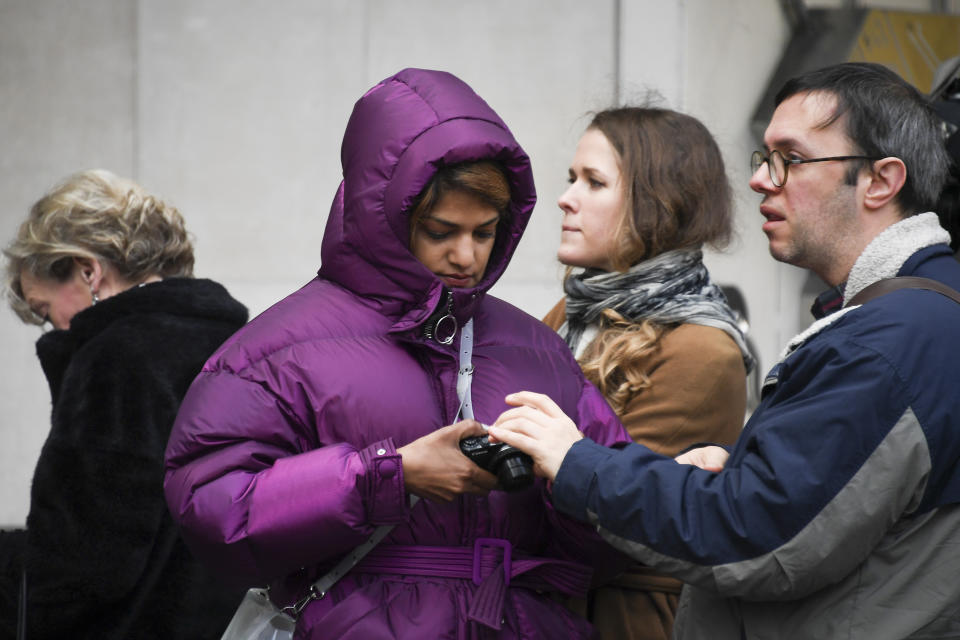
(733, 49)
(243, 107)
(541, 66)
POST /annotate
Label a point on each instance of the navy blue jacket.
(837, 513)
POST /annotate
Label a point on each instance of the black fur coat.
(103, 557)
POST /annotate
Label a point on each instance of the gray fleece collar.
(882, 258)
(886, 253)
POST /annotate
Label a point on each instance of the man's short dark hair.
(885, 116)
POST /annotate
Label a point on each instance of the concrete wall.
(703, 57)
(234, 112)
(67, 74)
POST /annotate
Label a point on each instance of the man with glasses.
(837, 512)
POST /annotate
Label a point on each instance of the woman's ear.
(887, 178)
(91, 271)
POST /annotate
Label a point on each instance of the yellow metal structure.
(912, 44)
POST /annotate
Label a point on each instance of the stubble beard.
(824, 239)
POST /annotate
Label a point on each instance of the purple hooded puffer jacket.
(283, 457)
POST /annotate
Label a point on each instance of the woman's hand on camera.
(538, 427)
(434, 467)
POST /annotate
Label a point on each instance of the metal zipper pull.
(445, 326)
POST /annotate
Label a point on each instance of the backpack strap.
(887, 285)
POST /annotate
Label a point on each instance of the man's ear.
(91, 271)
(887, 177)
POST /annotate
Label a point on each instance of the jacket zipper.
(446, 322)
(437, 329)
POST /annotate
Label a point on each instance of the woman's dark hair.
(484, 180)
(884, 117)
(676, 193)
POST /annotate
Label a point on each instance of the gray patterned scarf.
(672, 288)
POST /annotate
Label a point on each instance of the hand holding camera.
(513, 468)
(434, 468)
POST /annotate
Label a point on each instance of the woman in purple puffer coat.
(314, 424)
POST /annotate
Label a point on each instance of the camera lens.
(513, 468)
(515, 472)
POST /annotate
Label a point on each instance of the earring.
(93, 297)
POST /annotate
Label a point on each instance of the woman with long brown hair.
(649, 328)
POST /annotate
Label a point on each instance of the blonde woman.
(647, 190)
(109, 267)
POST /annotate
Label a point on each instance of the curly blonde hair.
(97, 215)
(613, 361)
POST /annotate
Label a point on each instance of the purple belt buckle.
(478, 546)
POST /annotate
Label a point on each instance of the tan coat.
(697, 393)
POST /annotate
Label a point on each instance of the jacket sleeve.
(256, 496)
(697, 392)
(823, 470)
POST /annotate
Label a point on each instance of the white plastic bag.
(257, 618)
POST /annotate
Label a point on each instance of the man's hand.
(710, 458)
(539, 428)
(434, 467)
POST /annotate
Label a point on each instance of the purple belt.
(492, 565)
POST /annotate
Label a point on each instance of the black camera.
(513, 468)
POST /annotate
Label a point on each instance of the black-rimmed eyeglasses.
(778, 166)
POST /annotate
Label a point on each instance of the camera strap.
(885, 286)
(465, 372)
(320, 588)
